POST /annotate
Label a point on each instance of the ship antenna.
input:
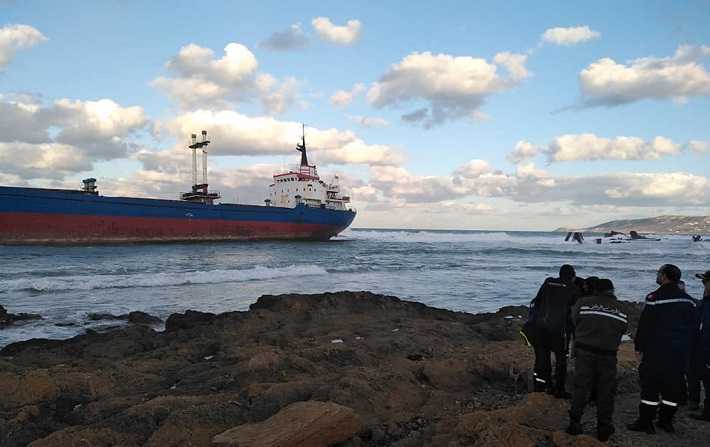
(302, 146)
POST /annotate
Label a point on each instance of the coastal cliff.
(655, 225)
(347, 368)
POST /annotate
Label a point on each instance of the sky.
(445, 115)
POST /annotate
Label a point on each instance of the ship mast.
(200, 192)
(301, 147)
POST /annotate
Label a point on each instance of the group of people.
(672, 344)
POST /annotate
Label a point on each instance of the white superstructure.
(304, 186)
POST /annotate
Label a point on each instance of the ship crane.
(200, 191)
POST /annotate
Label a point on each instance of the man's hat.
(704, 276)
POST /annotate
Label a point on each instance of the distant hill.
(656, 225)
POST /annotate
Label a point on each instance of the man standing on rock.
(599, 325)
(703, 343)
(552, 322)
(663, 340)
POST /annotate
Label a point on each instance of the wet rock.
(97, 316)
(135, 317)
(187, 320)
(312, 424)
(441, 378)
(8, 319)
(538, 420)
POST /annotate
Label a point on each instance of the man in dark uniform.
(551, 318)
(665, 333)
(703, 347)
(599, 325)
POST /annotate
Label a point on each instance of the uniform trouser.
(597, 371)
(546, 344)
(661, 387)
(706, 384)
(694, 377)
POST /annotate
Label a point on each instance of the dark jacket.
(551, 308)
(703, 340)
(667, 327)
(599, 323)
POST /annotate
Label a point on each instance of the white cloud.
(292, 38)
(282, 97)
(699, 147)
(474, 169)
(591, 147)
(395, 185)
(17, 37)
(622, 189)
(343, 98)
(44, 160)
(341, 35)
(232, 133)
(202, 80)
(514, 63)
(368, 121)
(609, 83)
(569, 35)
(454, 87)
(81, 132)
(524, 150)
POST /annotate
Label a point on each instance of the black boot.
(665, 418)
(561, 393)
(575, 427)
(605, 432)
(704, 416)
(644, 423)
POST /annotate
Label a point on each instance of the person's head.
(589, 285)
(567, 273)
(604, 285)
(705, 278)
(668, 273)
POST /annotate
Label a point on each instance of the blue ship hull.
(51, 216)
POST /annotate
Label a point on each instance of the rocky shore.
(348, 369)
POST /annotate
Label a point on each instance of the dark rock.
(137, 317)
(96, 316)
(8, 319)
(189, 319)
(314, 424)
(412, 374)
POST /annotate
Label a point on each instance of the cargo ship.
(300, 206)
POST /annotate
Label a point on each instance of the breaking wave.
(91, 282)
(447, 236)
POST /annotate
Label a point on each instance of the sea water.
(470, 271)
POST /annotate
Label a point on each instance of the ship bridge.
(303, 186)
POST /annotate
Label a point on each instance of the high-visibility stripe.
(539, 380)
(669, 403)
(603, 310)
(648, 402)
(673, 300)
(603, 314)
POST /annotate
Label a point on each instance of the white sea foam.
(91, 282)
(445, 236)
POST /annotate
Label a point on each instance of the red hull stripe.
(31, 228)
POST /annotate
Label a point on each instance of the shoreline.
(380, 371)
